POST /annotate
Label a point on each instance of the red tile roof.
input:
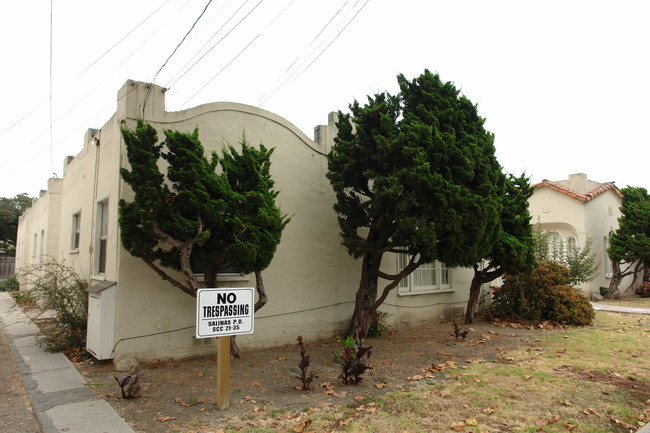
(580, 197)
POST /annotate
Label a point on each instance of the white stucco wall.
(583, 219)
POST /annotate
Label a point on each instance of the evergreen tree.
(514, 250)
(199, 218)
(10, 211)
(630, 243)
(414, 173)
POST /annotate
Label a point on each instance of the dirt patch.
(630, 384)
(180, 394)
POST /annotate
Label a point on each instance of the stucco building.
(577, 209)
(311, 282)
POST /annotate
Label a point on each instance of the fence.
(7, 266)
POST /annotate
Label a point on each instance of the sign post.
(221, 313)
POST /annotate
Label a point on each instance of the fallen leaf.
(488, 411)
(477, 380)
(200, 374)
(201, 410)
(527, 376)
(471, 422)
(589, 411)
(622, 424)
(566, 403)
(561, 351)
(457, 426)
(282, 358)
(379, 385)
(416, 377)
(570, 427)
(166, 418)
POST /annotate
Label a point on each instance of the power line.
(240, 52)
(284, 83)
(144, 103)
(17, 122)
(220, 40)
(303, 51)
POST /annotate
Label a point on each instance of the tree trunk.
(474, 292)
(262, 299)
(366, 296)
(617, 276)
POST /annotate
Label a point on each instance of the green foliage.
(414, 172)
(545, 294)
(197, 217)
(631, 241)
(57, 287)
(378, 326)
(514, 249)
(580, 261)
(643, 290)
(9, 284)
(10, 210)
(353, 360)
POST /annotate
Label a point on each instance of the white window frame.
(101, 237)
(76, 232)
(571, 248)
(433, 277)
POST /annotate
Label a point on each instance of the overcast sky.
(563, 85)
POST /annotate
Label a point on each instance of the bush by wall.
(57, 287)
(545, 294)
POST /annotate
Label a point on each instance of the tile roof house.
(577, 209)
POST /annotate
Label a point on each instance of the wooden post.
(223, 372)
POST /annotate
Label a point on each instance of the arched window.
(571, 245)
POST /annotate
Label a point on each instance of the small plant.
(306, 374)
(353, 357)
(460, 332)
(378, 326)
(130, 384)
(10, 284)
(643, 290)
(23, 298)
(603, 290)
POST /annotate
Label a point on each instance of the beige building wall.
(311, 282)
(580, 208)
(38, 227)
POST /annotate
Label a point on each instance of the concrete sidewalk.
(61, 399)
(619, 308)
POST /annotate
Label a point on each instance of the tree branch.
(168, 278)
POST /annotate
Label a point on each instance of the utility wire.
(74, 80)
(144, 103)
(290, 77)
(303, 51)
(240, 52)
(220, 40)
(51, 55)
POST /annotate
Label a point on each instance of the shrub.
(10, 284)
(353, 357)
(59, 288)
(643, 290)
(545, 294)
(378, 326)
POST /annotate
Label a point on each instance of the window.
(429, 277)
(571, 245)
(42, 247)
(34, 245)
(102, 236)
(76, 231)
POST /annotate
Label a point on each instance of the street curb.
(61, 399)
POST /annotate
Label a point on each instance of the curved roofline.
(212, 107)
